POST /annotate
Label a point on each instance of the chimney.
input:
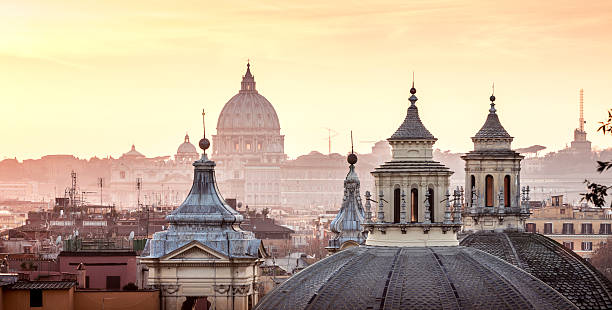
(81, 276)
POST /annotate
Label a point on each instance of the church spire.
(248, 80)
(346, 227)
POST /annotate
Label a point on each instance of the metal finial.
(412, 90)
(352, 142)
(204, 143)
(352, 158)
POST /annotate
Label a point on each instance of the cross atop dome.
(248, 80)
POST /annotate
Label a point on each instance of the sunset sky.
(90, 78)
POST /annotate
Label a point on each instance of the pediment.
(193, 251)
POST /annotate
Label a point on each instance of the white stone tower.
(414, 206)
(492, 180)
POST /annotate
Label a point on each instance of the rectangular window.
(86, 281)
(587, 246)
(36, 298)
(548, 229)
(568, 228)
(531, 227)
(113, 282)
(561, 211)
(604, 229)
(587, 228)
(569, 245)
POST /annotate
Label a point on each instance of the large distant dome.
(186, 148)
(248, 109)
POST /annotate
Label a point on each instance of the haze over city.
(92, 78)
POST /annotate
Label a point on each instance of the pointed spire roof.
(248, 81)
(492, 127)
(206, 218)
(204, 204)
(412, 128)
(347, 224)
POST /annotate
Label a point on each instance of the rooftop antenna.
(581, 120)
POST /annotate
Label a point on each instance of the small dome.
(248, 109)
(186, 148)
(133, 153)
(379, 277)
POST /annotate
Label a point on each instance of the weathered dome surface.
(370, 277)
(412, 127)
(248, 109)
(186, 147)
(492, 127)
(550, 262)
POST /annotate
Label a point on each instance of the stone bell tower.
(413, 202)
(492, 180)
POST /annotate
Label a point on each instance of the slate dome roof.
(369, 277)
(492, 127)
(412, 128)
(550, 262)
(248, 109)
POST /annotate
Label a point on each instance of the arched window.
(507, 191)
(472, 188)
(431, 204)
(396, 205)
(489, 190)
(414, 204)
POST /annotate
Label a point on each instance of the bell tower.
(492, 180)
(412, 198)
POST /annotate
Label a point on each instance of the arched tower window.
(472, 188)
(414, 204)
(396, 205)
(507, 191)
(489, 193)
(431, 204)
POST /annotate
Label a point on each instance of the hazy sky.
(92, 77)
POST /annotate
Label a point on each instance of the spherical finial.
(492, 98)
(413, 90)
(204, 144)
(352, 159)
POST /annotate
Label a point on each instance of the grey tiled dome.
(412, 127)
(492, 128)
(370, 277)
(550, 262)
